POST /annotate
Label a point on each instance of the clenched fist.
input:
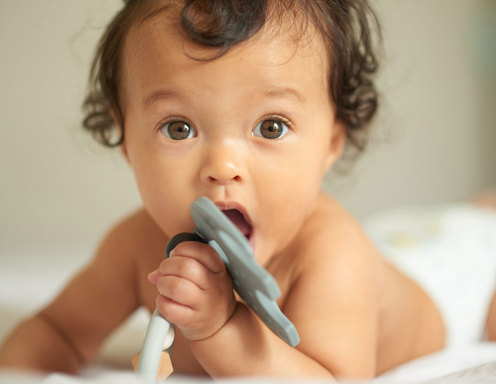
(194, 290)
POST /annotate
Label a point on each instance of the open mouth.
(240, 221)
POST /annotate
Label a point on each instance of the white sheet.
(24, 270)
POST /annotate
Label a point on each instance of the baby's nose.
(222, 163)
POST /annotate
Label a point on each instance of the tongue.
(239, 221)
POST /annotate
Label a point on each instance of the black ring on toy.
(180, 238)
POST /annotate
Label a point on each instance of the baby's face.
(253, 130)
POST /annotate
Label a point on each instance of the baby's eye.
(178, 130)
(271, 129)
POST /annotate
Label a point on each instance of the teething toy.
(254, 284)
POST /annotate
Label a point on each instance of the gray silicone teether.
(254, 284)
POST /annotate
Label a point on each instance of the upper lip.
(226, 205)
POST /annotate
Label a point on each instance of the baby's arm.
(332, 301)
(333, 305)
(68, 332)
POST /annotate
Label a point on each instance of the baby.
(248, 103)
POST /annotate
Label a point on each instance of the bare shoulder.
(353, 297)
(332, 235)
(334, 291)
(135, 233)
(107, 290)
(131, 245)
(334, 254)
(137, 244)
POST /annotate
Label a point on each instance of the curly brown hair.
(347, 27)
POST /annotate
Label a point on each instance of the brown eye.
(178, 130)
(270, 129)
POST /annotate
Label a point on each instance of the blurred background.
(433, 141)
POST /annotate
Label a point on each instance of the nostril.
(223, 179)
(220, 169)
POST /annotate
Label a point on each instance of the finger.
(179, 290)
(185, 267)
(201, 252)
(154, 276)
(174, 312)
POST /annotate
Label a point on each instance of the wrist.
(227, 327)
(198, 334)
(243, 328)
(244, 339)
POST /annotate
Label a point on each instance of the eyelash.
(280, 118)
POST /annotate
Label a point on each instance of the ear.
(123, 147)
(336, 145)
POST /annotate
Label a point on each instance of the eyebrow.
(286, 92)
(159, 95)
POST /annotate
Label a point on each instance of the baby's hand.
(195, 290)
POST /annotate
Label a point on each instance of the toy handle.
(180, 238)
(151, 350)
(158, 327)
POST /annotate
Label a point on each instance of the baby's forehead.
(159, 53)
(163, 23)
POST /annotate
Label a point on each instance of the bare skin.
(356, 315)
(380, 318)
